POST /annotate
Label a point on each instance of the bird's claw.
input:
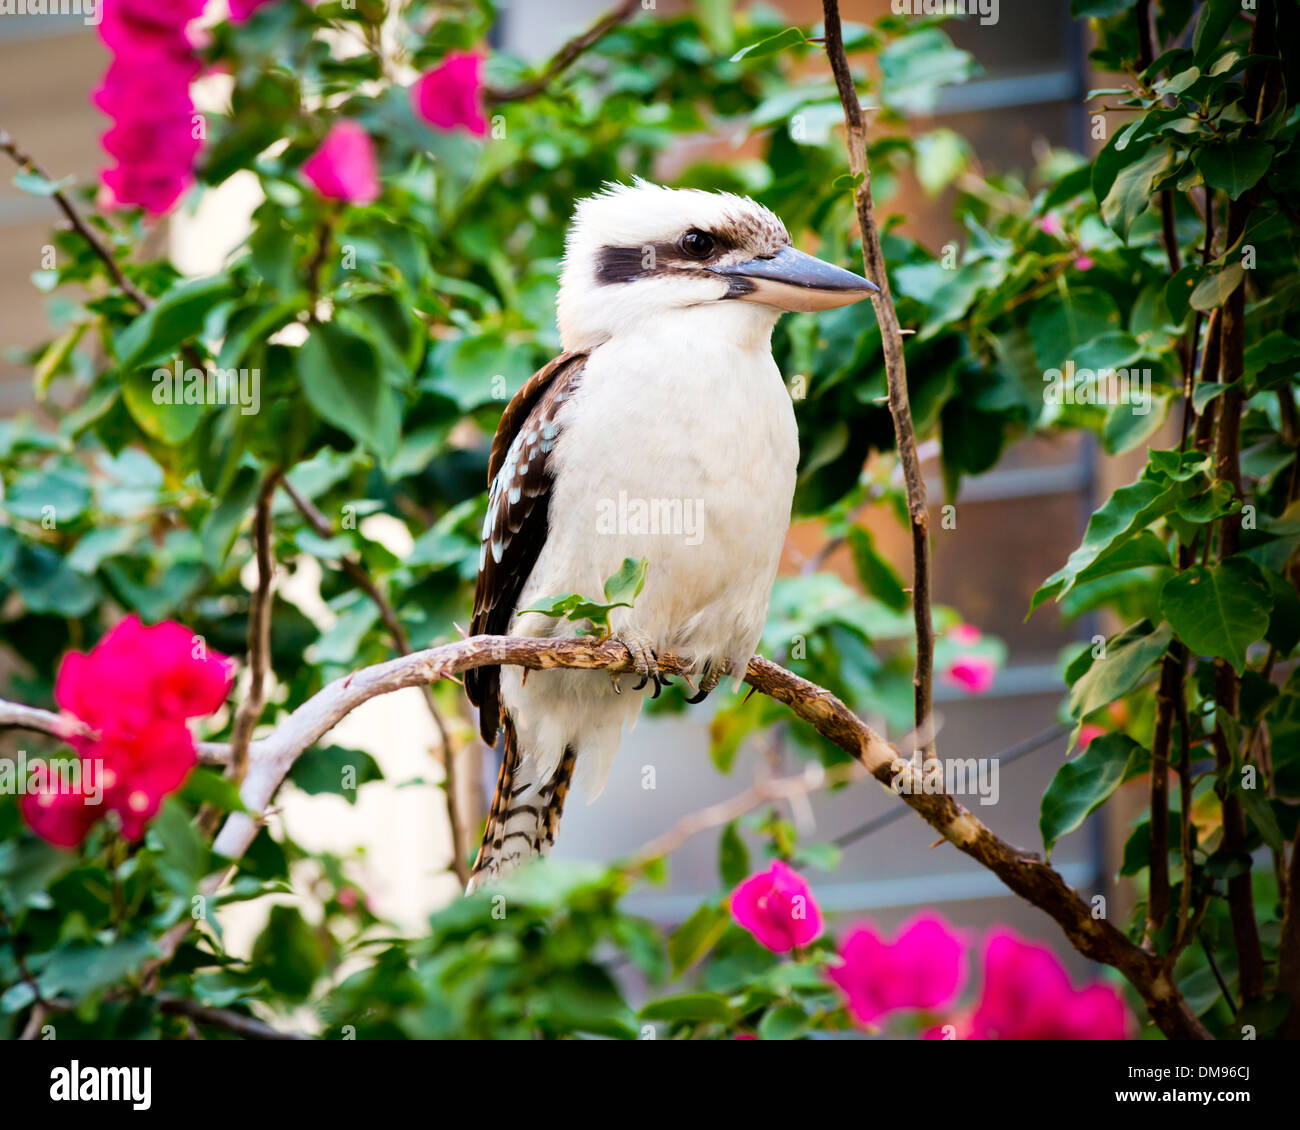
(709, 678)
(644, 660)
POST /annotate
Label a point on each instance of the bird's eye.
(697, 244)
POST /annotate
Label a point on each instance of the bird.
(663, 431)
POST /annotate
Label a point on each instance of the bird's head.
(641, 252)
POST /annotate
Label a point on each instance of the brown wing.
(519, 480)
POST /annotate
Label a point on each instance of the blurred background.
(1015, 524)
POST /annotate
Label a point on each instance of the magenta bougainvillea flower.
(451, 95)
(1027, 995)
(344, 167)
(146, 91)
(922, 968)
(136, 688)
(778, 908)
(240, 10)
(973, 673)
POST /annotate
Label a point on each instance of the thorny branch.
(891, 337)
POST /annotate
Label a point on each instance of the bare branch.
(891, 337)
(247, 1027)
(27, 163)
(259, 629)
(565, 56)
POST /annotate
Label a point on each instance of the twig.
(259, 630)
(891, 338)
(402, 644)
(26, 162)
(813, 779)
(247, 1027)
(565, 56)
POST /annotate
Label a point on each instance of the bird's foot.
(644, 660)
(710, 677)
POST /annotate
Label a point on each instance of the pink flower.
(344, 167)
(778, 908)
(241, 10)
(135, 688)
(451, 95)
(146, 91)
(1083, 263)
(1051, 224)
(1088, 734)
(61, 818)
(966, 635)
(1028, 996)
(922, 968)
(974, 673)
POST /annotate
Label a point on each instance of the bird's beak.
(791, 280)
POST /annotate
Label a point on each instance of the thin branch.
(246, 1027)
(891, 338)
(813, 779)
(402, 644)
(26, 162)
(566, 55)
(259, 629)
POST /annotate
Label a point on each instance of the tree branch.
(565, 56)
(246, 1027)
(259, 629)
(27, 163)
(891, 337)
(402, 644)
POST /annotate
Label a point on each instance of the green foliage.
(621, 589)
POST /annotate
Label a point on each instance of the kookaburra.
(666, 395)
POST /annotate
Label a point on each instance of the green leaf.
(1255, 802)
(1211, 26)
(1119, 670)
(624, 586)
(177, 317)
(80, 967)
(1062, 322)
(690, 1006)
(289, 953)
(151, 398)
(773, 43)
(784, 1022)
(182, 859)
(1234, 167)
(696, 936)
(1219, 610)
(341, 374)
(335, 770)
(1128, 510)
(877, 575)
(733, 856)
(1213, 290)
(1082, 785)
(1130, 195)
(58, 493)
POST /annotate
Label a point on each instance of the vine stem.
(891, 337)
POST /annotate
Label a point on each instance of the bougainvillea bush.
(397, 285)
